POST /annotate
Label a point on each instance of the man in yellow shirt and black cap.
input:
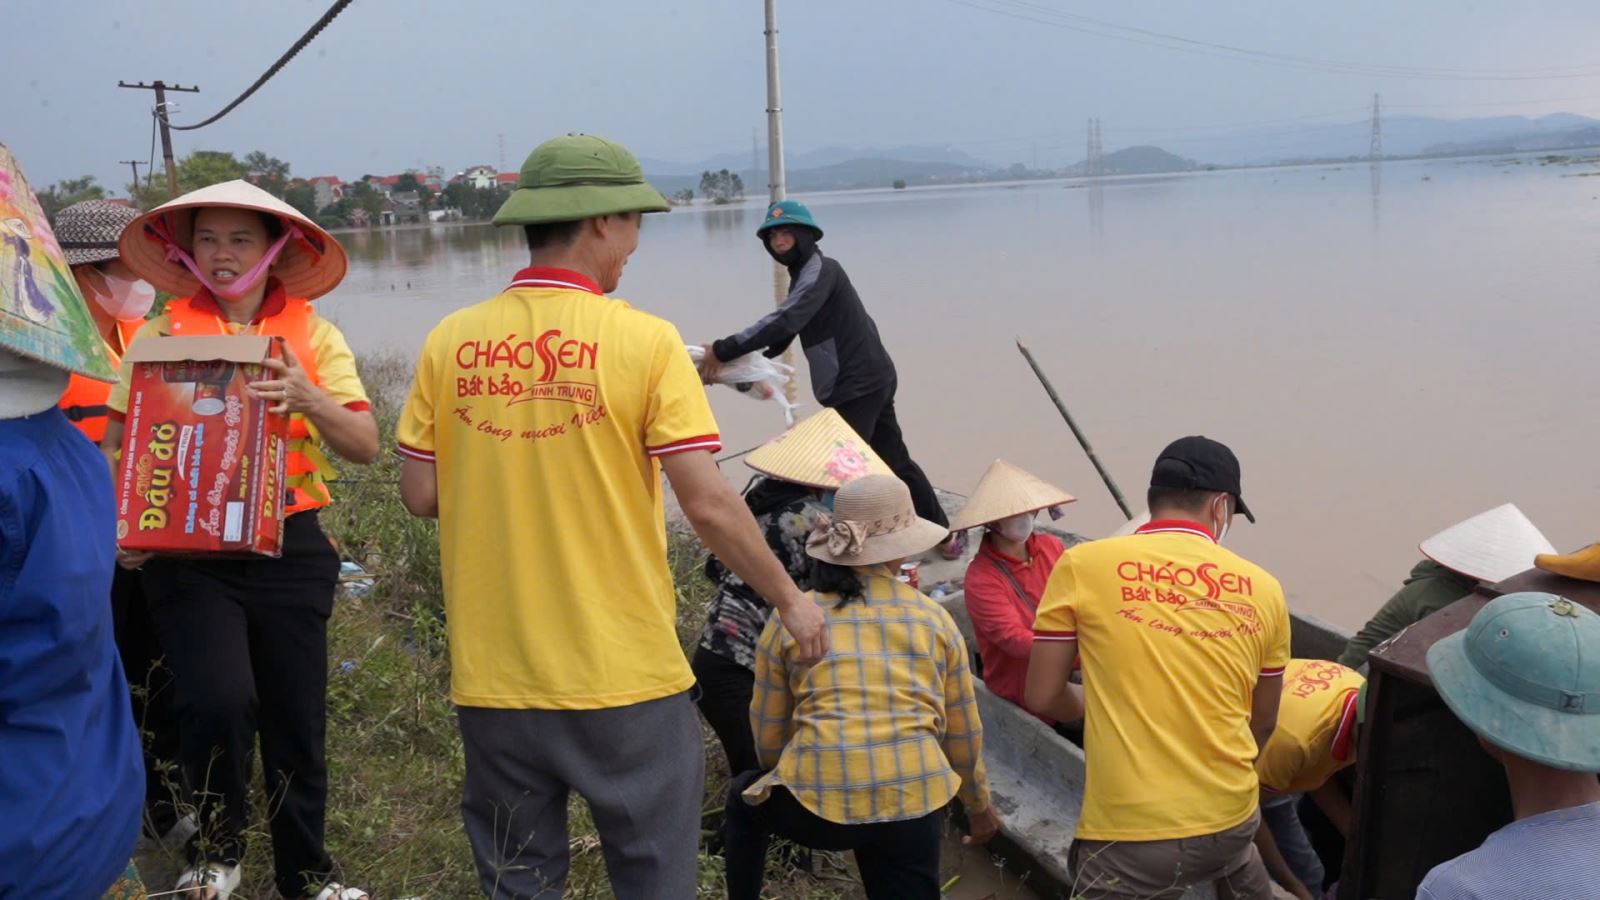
(1183, 645)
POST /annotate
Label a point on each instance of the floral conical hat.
(821, 452)
(42, 313)
(1004, 491)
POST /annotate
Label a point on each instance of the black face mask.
(805, 244)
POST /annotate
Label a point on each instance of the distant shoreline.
(969, 184)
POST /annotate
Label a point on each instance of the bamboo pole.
(1076, 431)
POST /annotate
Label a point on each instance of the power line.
(1049, 16)
(333, 12)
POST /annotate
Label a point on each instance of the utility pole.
(135, 164)
(502, 138)
(755, 154)
(1094, 151)
(161, 88)
(1376, 152)
(775, 175)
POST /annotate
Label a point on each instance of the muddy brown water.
(1387, 356)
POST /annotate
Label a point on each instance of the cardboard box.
(202, 460)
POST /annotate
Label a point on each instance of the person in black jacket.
(851, 371)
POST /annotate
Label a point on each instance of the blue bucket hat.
(789, 212)
(1525, 675)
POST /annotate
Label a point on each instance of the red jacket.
(1002, 619)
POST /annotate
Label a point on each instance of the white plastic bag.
(756, 376)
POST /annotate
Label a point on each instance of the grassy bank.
(395, 758)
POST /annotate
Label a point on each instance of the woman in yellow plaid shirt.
(865, 749)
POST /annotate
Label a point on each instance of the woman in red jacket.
(1006, 578)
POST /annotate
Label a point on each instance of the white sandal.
(222, 878)
(337, 891)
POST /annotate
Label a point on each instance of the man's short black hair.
(551, 234)
(1181, 499)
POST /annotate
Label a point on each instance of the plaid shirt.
(886, 727)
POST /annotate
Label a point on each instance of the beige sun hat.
(310, 266)
(1006, 490)
(873, 522)
(1491, 546)
(823, 452)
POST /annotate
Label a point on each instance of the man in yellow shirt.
(537, 429)
(1315, 738)
(1183, 645)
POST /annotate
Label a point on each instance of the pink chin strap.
(243, 284)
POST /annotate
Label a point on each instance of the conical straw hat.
(42, 313)
(821, 452)
(1491, 546)
(1006, 490)
(308, 268)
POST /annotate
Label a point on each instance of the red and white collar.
(1178, 526)
(552, 277)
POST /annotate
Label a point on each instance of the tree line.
(361, 203)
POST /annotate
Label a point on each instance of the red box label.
(202, 460)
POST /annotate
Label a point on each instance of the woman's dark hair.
(273, 224)
(827, 578)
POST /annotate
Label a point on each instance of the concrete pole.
(775, 174)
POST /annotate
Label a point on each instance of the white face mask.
(1224, 520)
(126, 299)
(1014, 528)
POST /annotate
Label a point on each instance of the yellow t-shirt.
(544, 411)
(1173, 631)
(1316, 724)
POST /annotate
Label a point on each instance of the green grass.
(395, 757)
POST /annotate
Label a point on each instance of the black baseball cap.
(1198, 463)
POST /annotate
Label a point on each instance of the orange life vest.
(85, 399)
(306, 469)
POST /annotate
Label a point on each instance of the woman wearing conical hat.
(799, 471)
(70, 772)
(118, 301)
(1007, 577)
(247, 639)
(1489, 547)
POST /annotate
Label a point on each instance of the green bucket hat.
(578, 176)
(1525, 675)
(789, 212)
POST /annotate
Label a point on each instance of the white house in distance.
(480, 176)
(329, 189)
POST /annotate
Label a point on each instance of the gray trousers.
(641, 768)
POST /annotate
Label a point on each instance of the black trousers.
(247, 641)
(150, 684)
(872, 417)
(897, 860)
(725, 691)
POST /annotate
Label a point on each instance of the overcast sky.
(394, 84)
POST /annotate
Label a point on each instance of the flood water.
(1387, 355)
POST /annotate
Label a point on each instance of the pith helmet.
(1525, 674)
(789, 212)
(578, 176)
